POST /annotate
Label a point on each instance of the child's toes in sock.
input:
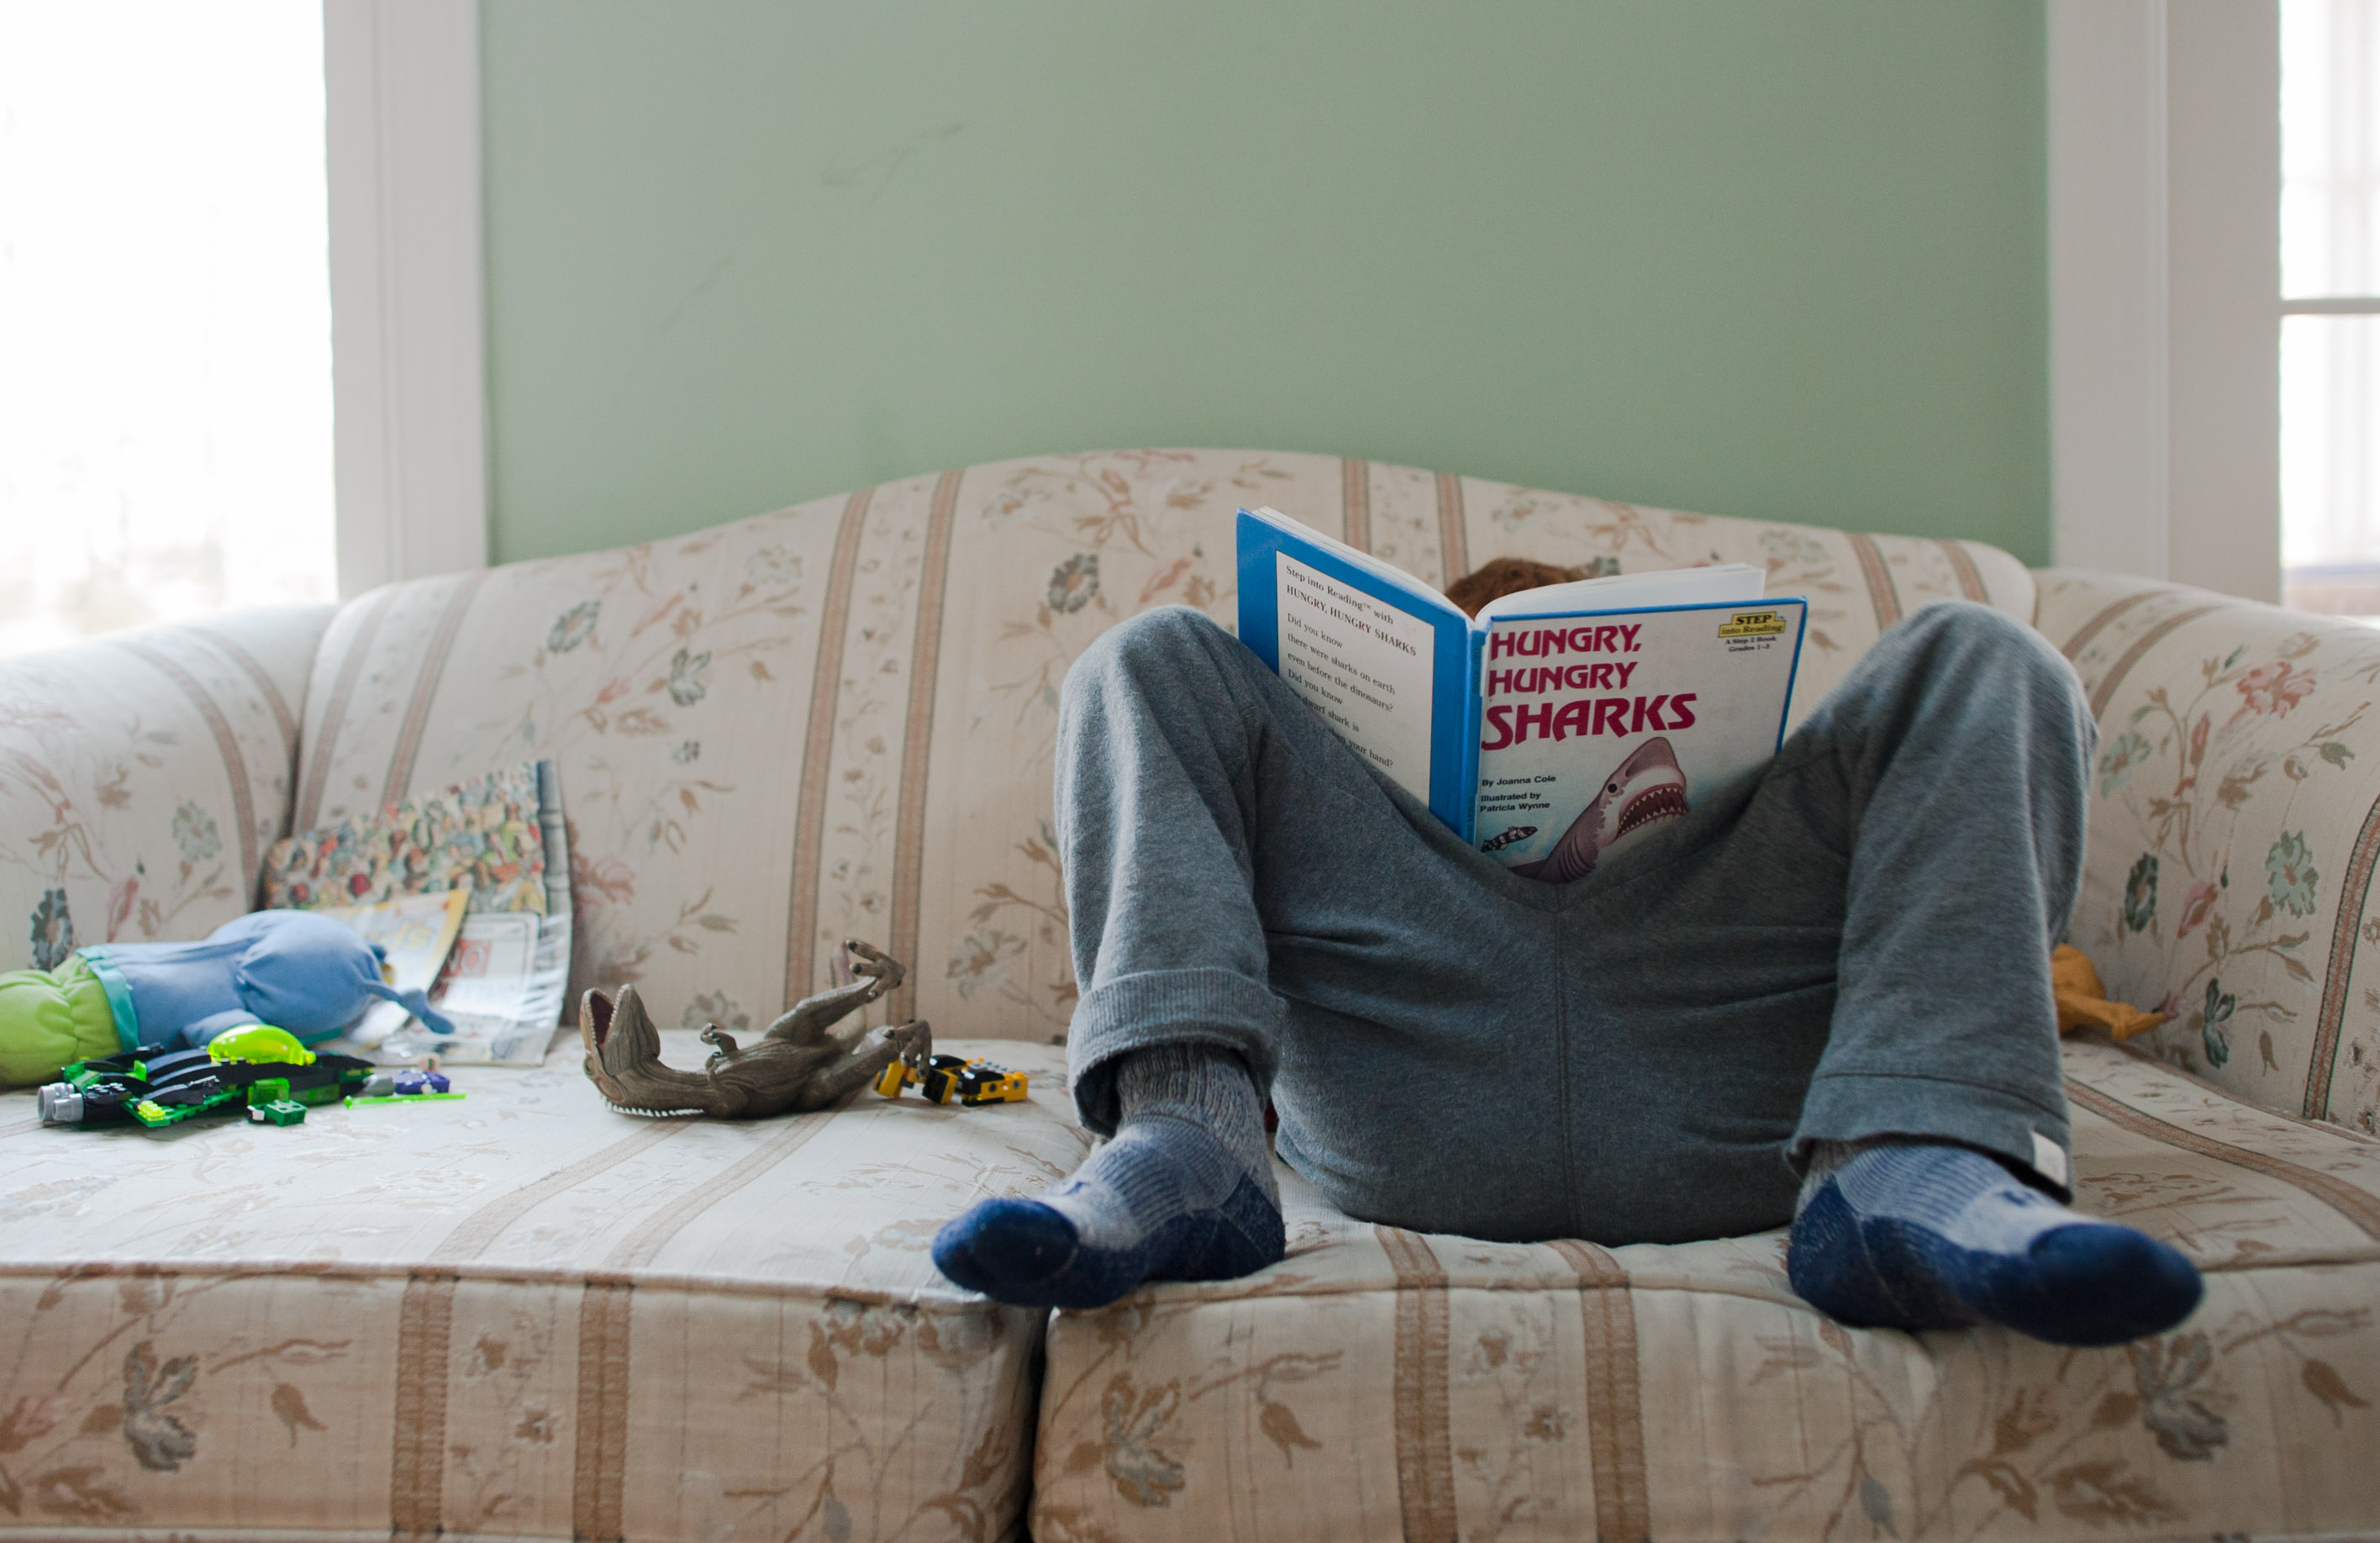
(1922, 1236)
(1184, 1192)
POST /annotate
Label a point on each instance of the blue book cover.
(1558, 723)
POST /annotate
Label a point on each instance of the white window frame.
(408, 288)
(2165, 184)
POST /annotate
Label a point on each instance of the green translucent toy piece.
(407, 1098)
(260, 1042)
(263, 1090)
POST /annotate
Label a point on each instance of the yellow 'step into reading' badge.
(1752, 624)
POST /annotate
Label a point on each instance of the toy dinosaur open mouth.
(1667, 801)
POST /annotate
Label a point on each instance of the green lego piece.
(260, 1042)
(407, 1098)
(265, 1090)
(279, 1111)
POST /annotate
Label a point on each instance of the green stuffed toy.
(296, 971)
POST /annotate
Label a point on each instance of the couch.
(523, 1315)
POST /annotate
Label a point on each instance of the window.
(164, 313)
(2330, 324)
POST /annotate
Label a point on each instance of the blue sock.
(1920, 1236)
(1184, 1192)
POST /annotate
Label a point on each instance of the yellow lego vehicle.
(949, 1080)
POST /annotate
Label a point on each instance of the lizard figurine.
(797, 1065)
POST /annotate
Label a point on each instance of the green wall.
(1775, 258)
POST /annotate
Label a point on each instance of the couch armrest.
(2235, 823)
(143, 775)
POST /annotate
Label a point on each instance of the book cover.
(1558, 723)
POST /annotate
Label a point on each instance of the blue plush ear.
(309, 975)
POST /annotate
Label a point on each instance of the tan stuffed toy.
(2082, 999)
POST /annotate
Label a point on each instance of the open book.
(468, 890)
(1561, 720)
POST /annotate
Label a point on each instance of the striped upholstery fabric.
(2234, 833)
(520, 1314)
(1380, 1384)
(143, 777)
(524, 1316)
(838, 720)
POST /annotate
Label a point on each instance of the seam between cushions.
(948, 1303)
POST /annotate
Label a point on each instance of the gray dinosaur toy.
(797, 1067)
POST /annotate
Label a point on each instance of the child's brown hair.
(1505, 576)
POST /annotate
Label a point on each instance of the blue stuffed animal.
(291, 969)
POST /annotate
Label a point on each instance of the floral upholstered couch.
(522, 1315)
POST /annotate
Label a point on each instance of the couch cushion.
(143, 777)
(519, 1314)
(1384, 1384)
(2234, 833)
(838, 721)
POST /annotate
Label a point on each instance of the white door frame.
(2165, 290)
(408, 290)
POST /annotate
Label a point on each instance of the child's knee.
(1981, 644)
(1164, 644)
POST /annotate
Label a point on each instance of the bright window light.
(164, 313)
(2330, 285)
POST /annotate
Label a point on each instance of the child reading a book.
(1821, 996)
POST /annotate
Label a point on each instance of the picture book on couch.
(1556, 721)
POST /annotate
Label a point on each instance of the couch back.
(143, 775)
(838, 720)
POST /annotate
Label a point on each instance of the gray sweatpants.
(1852, 942)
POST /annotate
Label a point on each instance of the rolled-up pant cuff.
(1861, 1106)
(1214, 1007)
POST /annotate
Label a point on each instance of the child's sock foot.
(1912, 1236)
(1184, 1192)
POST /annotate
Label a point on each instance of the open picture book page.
(1382, 657)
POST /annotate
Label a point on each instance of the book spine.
(1260, 625)
(1467, 827)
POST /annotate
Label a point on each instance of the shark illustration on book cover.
(1645, 792)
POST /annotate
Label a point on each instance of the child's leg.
(1958, 770)
(1183, 1191)
(1229, 864)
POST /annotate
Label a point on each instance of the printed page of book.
(1380, 656)
(491, 991)
(1599, 729)
(1365, 666)
(415, 933)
